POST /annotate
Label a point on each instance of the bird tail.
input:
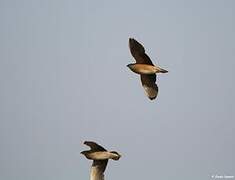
(160, 70)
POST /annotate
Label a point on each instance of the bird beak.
(160, 70)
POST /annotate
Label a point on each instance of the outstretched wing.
(138, 52)
(149, 85)
(94, 146)
(97, 169)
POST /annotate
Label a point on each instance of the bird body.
(100, 157)
(145, 68)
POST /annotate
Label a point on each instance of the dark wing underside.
(94, 146)
(138, 52)
(97, 169)
(149, 85)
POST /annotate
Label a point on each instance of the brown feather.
(97, 169)
(149, 85)
(138, 52)
(94, 146)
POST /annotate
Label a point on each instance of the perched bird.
(145, 68)
(100, 157)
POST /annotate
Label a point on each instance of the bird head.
(129, 65)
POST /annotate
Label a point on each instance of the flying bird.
(145, 68)
(100, 157)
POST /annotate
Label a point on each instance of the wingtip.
(152, 98)
(86, 142)
(131, 40)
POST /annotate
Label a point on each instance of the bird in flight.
(145, 68)
(100, 157)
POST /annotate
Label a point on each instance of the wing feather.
(94, 146)
(97, 169)
(149, 85)
(138, 52)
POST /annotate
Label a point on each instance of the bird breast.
(142, 68)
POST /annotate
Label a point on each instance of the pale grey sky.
(63, 80)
